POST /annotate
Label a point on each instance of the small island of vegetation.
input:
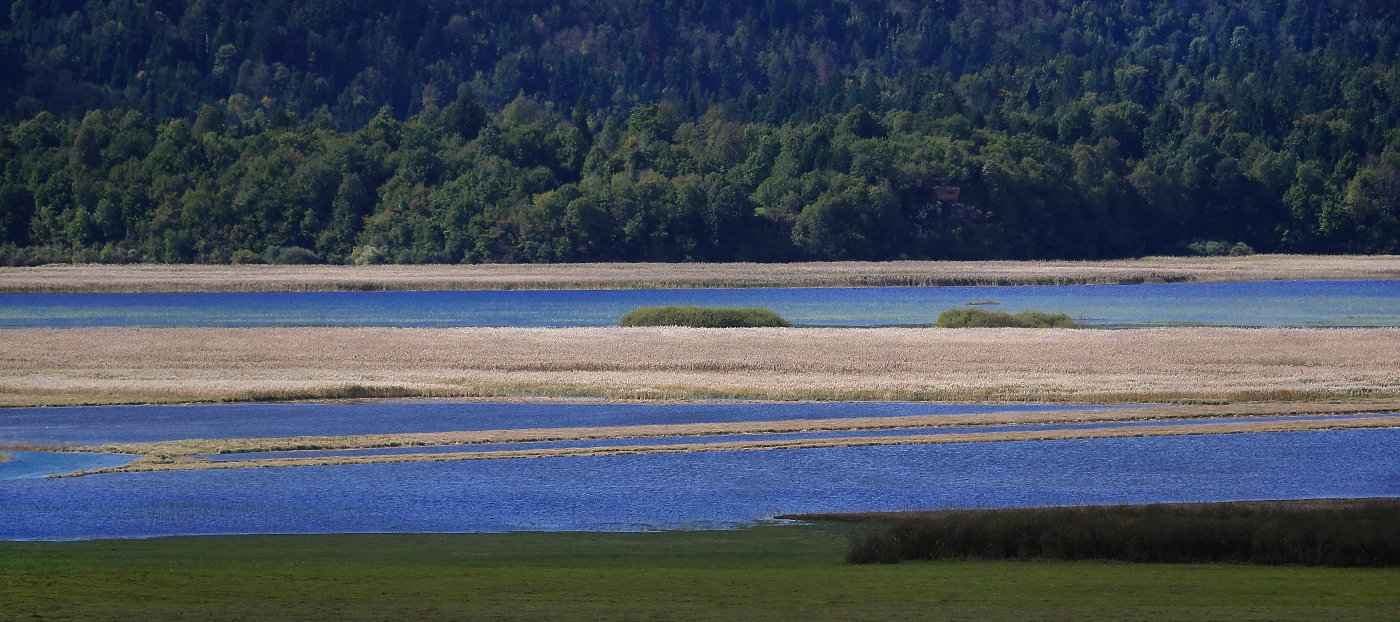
(969, 317)
(703, 317)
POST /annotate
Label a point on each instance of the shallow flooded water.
(701, 490)
(32, 464)
(92, 425)
(1268, 303)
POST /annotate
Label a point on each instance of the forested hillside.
(451, 131)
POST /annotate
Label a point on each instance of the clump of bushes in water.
(703, 317)
(1217, 248)
(969, 317)
(1325, 533)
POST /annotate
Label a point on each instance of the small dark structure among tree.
(947, 194)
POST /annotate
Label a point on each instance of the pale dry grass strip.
(95, 365)
(187, 447)
(192, 278)
(147, 464)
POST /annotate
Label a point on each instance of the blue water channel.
(701, 490)
(93, 425)
(1269, 303)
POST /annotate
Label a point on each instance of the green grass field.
(768, 573)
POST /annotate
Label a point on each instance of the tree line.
(364, 131)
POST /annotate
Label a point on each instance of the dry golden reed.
(114, 365)
(190, 278)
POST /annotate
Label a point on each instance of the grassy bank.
(115, 365)
(1354, 532)
(755, 574)
(191, 278)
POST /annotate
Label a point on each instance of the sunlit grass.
(765, 573)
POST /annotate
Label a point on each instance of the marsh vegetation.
(972, 317)
(704, 317)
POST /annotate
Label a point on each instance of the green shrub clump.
(968, 317)
(703, 317)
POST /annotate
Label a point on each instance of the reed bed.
(184, 463)
(124, 365)
(191, 278)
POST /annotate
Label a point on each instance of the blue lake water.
(701, 490)
(1269, 303)
(727, 438)
(31, 464)
(89, 425)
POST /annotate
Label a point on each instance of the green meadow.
(764, 573)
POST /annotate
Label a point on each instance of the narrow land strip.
(171, 464)
(126, 365)
(190, 447)
(219, 278)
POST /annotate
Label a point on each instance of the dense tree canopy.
(694, 130)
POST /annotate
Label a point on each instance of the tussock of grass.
(1326, 533)
(704, 317)
(969, 317)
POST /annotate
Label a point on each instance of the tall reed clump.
(703, 317)
(969, 317)
(1351, 533)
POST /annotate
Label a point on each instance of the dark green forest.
(694, 130)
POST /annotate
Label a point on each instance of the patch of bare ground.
(123, 365)
(191, 278)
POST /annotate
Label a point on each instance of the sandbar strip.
(187, 447)
(96, 278)
(147, 464)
